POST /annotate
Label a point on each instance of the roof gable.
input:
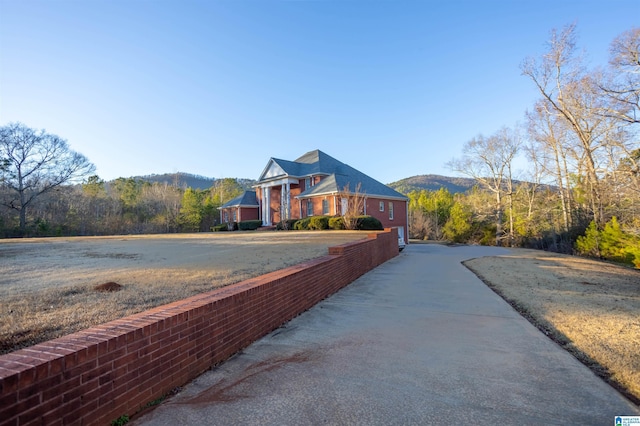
(272, 170)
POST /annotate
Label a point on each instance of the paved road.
(418, 341)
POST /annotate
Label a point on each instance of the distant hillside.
(181, 180)
(187, 180)
(404, 186)
(246, 183)
(433, 183)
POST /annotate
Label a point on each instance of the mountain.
(188, 180)
(433, 183)
(404, 186)
(181, 180)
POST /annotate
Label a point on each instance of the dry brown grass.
(591, 308)
(48, 286)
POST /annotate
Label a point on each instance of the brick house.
(243, 207)
(318, 184)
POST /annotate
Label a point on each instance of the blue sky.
(216, 88)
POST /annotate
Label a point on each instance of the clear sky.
(216, 88)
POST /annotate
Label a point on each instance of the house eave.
(364, 195)
(249, 206)
(276, 180)
(320, 194)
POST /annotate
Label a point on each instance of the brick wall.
(101, 373)
(400, 217)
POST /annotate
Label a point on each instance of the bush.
(368, 223)
(589, 243)
(336, 222)
(319, 222)
(302, 224)
(249, 225)
(612, 243)
(488, 235)
(232, 226)
(286, 225)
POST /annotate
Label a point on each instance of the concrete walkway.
(418, 341)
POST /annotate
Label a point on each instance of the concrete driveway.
(419, 340)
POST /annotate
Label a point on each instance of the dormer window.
(309, 182)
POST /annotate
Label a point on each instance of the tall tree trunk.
(498, 218)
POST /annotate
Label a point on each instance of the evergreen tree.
(459, 226)
(191, 211)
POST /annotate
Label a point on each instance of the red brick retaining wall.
(101, 373)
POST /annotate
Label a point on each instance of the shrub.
(488, 235)
(368, 223)
(589, 243)
(231, 226)
(249, 225)
(319, 222)
(612, 243)
(336, 222)
(302, 224)
(286, 224)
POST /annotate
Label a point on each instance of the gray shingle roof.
(339, 176)
(246, 199)
(290, 168)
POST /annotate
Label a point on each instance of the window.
(235, 215)
(381, 206)
(308, 182)
(309, 207)
(325, 207)
(390, 210)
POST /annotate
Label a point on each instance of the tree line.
(45, 191)
(581, 189)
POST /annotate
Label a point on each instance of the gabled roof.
(339, 176)
(246, 199)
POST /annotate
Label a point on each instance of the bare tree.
(36, 162)
(572, 94)
(489, 161)
(549, 152)
(622, 84)
(352, 205)
(421, 225)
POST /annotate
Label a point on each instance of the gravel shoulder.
(591, 308)
(48, 286)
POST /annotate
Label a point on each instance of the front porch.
(275, 200)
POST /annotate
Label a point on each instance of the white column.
(266, 209)
(288, 201)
